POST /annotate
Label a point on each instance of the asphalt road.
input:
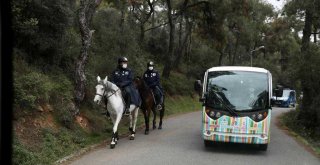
(180, 143)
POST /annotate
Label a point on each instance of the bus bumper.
(236, 137)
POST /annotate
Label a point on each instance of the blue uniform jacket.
(152, 78)
(122, 77)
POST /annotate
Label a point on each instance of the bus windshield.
(237, 90)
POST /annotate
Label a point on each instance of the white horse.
(115, 107)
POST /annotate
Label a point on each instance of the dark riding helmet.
(150, 63)
(122, 59)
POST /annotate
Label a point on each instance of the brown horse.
(148, 104)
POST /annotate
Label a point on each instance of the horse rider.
(123, 78)
(152, 79)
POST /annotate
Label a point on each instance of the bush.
(22, 156)
(177, 84)
(31, 88)
(58, 144)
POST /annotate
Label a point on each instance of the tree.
(168, 66)
(87, 9)
(309, 10)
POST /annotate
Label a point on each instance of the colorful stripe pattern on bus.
(227, 129)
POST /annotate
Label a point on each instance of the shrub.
(31, 88)
(22, 156)
(177, 84)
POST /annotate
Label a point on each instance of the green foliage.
(32, 88)
(65, 115)
(177, 84)
(22, 156)
(293, 122)
(309, 73)
(58, 144)
(39, 29)
(97, 121)
(178, 104)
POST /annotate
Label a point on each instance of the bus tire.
(207, 143)
(263, 147)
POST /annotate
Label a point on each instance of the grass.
(290, 122)
(177, 105)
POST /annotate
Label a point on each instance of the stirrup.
(126, 112)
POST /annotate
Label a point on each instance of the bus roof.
(238, 68)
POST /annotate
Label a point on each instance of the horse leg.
(131, 119)
(161, 116)
(154, 119)
(115, 137)
(135, 117)
(146, 119)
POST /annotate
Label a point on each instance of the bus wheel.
(263, 147)
(207, 143)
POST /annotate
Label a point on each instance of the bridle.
(106, 87)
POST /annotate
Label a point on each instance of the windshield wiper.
(224, 104)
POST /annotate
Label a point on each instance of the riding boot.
(157, 99)
(128, 100)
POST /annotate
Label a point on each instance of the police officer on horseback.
(152, 79)
(123, 78)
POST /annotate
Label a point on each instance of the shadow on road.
(234, 148)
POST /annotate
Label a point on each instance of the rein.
(106, 87)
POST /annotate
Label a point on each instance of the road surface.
(180, 143)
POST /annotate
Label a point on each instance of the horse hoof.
(154, 127)
(131, 138)
(146, 132)
(160, 127)
(112, 146)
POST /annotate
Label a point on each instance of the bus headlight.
(211, 114)
(218, 115)
(258, 116)
(253, 117)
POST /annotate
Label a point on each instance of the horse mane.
(144, 87)
(144, 90)
(111, 86)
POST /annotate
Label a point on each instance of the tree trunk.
(167, 68)
(305, 113)
(315, 34)
(220, 58)
(183, 43)
(235, 52)
(141, 39)
(306, 32)
(87, 9)
(121, 27)
(229, 54)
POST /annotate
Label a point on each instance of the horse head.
(140, 84)
(104, 88)
(100, 89)
(137, 82)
